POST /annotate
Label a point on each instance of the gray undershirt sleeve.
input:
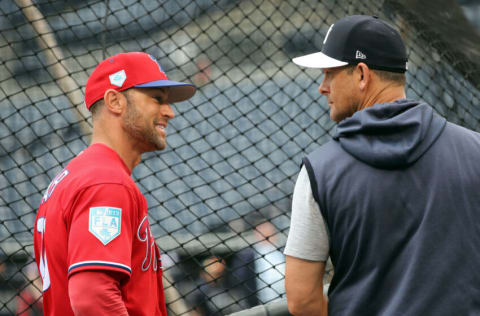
(307, 238)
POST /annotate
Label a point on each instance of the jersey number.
(41, 224)
(43, 265)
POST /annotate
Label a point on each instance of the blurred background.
(219, 195)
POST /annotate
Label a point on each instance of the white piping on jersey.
(101, 263)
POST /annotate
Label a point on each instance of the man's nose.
(323, 88)
(168, 111)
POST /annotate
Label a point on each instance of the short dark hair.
(95, 108)
(394, 77)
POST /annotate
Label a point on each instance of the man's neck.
(117, 142)
(385, 94)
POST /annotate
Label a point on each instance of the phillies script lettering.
(152, 254)
(54, 184)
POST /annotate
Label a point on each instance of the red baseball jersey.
(93, 217)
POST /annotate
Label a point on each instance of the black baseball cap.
(359, 38)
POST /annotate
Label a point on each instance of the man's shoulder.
(457, 137)
(89, 169)
(329, 150)
(458, 129)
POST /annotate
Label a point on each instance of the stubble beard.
(143, 131)
(339, 115)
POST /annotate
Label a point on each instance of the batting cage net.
(219, 195)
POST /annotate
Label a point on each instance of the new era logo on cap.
(118, 78)
(360, 55)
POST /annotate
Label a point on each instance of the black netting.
(223, 186)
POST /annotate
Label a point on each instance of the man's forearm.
(309, 307)
(304, 285)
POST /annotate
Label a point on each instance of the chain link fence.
(219, 195)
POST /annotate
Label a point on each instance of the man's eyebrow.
(160, 97)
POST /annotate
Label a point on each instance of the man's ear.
(364, 75)
(115, 101)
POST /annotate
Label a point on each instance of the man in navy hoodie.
(393, 199)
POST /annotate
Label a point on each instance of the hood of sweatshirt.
(390, 135)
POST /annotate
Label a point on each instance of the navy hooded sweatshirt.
(398, 187)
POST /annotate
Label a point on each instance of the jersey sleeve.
(100, 225)
(308, 237)
(96, 293)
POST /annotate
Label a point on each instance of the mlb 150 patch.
(105, 223)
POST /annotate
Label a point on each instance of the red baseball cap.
(133, 70)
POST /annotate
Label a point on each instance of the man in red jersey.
(93, 243)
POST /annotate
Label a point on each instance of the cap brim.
(318, 60)
(178, 91)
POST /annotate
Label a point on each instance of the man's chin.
(160, 146)
(336, 117)
(155, 146)
(333, 117)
